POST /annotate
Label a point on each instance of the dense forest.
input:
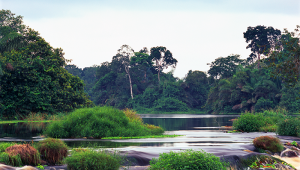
(265, 80)
(35, 77)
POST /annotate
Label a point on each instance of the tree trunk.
(258, 60)
(130, 84)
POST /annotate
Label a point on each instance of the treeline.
(231, 85)
(143, 86)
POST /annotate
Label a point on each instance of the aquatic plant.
(269, 143)
(187, 159)
(52, 150)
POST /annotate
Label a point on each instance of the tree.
(225, 67)
(285, 64)
(34, 79)
(125, 53)
(162, 58)
(12, 31)
(261, 39)
(197, 87)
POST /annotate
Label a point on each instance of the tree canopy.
(34, 78)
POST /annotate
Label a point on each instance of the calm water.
(170, 122)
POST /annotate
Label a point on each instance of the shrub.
(263, 104)
(156, 130)
(98, 122)
(23, 154)
(289, 127)
(132, 115)
(170, 104)
(52, 150)
(187, 159)
(92, 160)
(270, 143)
(249, 122)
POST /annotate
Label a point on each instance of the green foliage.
(35, 81)
(4, 145)
(196, 88)
(242, 91)
(170, 104)
(93, 160)
(289, 127)
(263, 104)
(187, 159)
(284, 61)
(97, 122)
(249, 122)
(261, 40)
(269, 143)
(294, 143)
(264, 121)
(224, 67)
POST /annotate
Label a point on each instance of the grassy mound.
(270, 143)
(188, 159)
(52, 150)
(82, 159)
(266, 121)
(99, 122)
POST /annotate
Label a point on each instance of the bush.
(22, 155)
(52, 150)
(269, 143)
(169, 105)
(263, 104)
(289, 127)
(187, 159)
(98, 122)
(92, 160)
(249, 122)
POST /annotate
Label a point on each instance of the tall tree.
(225, 67)
(262, 39)
(285, 64)
(162, 58)
(125, 54)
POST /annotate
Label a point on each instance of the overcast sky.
(195, 31)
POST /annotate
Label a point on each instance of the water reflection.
(22, 130)
(193, 124)
(171, 123)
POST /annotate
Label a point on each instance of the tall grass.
(99, 122)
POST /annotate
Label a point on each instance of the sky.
(195, 31)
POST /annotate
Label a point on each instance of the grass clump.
(52, 150)
(269, 143)
(289, 127)
(188, 159)
(99, 122)
(82, 159)
(21, 154)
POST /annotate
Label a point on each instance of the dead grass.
(28, 154)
